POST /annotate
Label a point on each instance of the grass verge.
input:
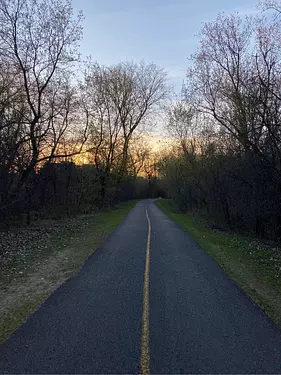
(255, 267)
(29, 277)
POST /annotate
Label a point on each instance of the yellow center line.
(144, 359)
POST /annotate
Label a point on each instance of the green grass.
(255, 267)
(61, 257)
(10, 321)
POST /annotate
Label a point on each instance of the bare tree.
(103, 122)
(270, 4)
(38, 40)
(129, 94)
(219, 81)
(138, 154)
(235, 81)
(119, 100)
(137, 91)
(38, 46)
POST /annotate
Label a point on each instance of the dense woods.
(72, 133)
(227, 126)
(51, 121)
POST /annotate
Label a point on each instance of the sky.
(161, 31)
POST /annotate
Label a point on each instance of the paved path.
(159, 304)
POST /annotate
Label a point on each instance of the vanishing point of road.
(150, 300)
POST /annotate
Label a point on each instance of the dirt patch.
(50, 274)
(21, 249)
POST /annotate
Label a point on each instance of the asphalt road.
(193, 318)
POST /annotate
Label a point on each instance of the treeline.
(227, 162)
(56, 110)
(65, 188)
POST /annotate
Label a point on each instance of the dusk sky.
(159, 31)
